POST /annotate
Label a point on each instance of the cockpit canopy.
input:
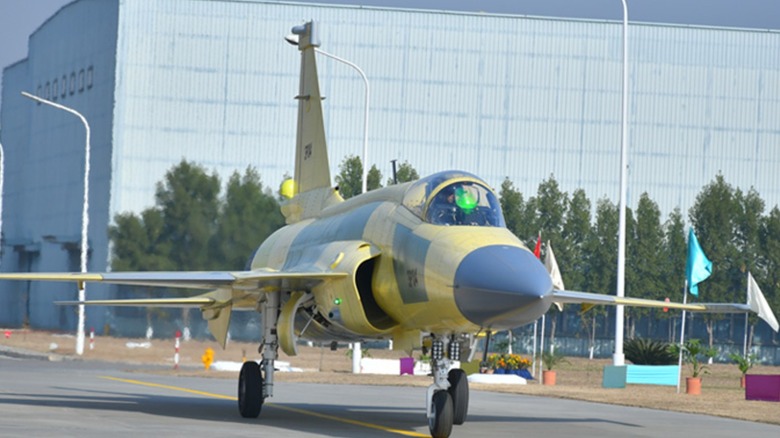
(454, 198)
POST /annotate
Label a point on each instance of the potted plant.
(745, 363)
(695, 354)
(550, 359)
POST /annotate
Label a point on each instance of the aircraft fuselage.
(404, 273)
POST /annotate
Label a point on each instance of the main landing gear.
(250, 390)
(256, 382)
(447, 400)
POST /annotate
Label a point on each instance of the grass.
(580, 379)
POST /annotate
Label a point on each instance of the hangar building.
(496, 95)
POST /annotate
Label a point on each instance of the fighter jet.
(429, 262)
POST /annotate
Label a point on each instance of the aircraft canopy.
(454, 198)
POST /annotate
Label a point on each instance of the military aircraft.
(426, 262)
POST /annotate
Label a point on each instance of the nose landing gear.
(447, 400)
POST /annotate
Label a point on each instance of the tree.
(549, 207)
(601, 255)
(512, 206)
(373, 179)
(748, 221)
(248, 216)
(770, 247)
(574, 234)
(672, 265)
(404, 173)
(646, 258)
(188, 199)
(713, 216)
(349, 179)
(138, 243)
(747, 230)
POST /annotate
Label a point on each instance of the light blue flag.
(698, 266)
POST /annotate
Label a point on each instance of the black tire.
(459, 391)
(441, 423)
(250, 390)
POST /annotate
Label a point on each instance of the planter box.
(667, 375)
(614, 376)
(407, 365)
(762, 387)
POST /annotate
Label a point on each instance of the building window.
(64, 86)
(55, 89)
(90, 76)
(81, 80)
(72, 83)
(38, 92)
(46, 91)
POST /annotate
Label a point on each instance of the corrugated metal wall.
(71, 60)
(498, 96)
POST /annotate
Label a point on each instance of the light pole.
(365, 113)
(619, 358)
(2, 198)
(84, 217)
(357, 353)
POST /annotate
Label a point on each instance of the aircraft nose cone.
(501, 286)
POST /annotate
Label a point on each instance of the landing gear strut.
(447, 400)
(256, 382)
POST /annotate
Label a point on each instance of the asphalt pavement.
(92, 399)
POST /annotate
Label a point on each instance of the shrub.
(695, 354)
(649, 352)
(552, 358)
(745, 363)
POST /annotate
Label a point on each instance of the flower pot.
(693, 385)
(548, 377)
(742, 381)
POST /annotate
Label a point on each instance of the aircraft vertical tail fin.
(312, 170)
(311, 189)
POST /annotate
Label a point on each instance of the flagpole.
(533, 365)
(541, 351)
(682, 338)
(744, 343)
(747, 300)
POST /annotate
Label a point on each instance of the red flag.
(538, 248)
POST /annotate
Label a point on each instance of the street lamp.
(619, 358)
(365, 113)
(293, 39)
(357, 352)
(2, 179)
(84, 217)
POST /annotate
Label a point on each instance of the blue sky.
(19, 18)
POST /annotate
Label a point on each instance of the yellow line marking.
(348, 421)
(172, 388)
(273, 405)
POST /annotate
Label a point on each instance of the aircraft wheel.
(441, 422)
(459, 391)
(250, 390)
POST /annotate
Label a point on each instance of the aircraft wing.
(199, 301)
(241, 280)
(586, 298)
(228, 290)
